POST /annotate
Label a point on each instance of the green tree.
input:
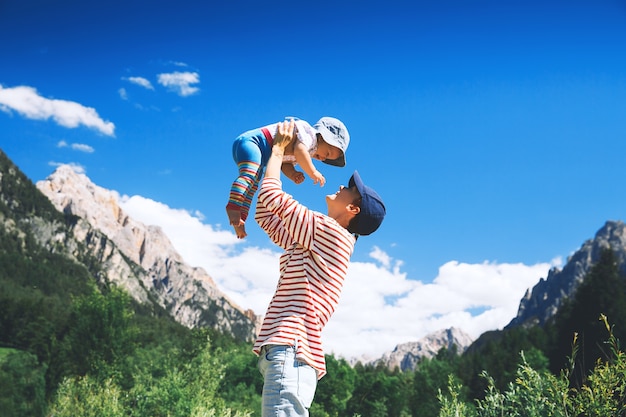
(603, 292)
(379, 392)
(242, 382)
(431, 376)
(542, 394)
(335, 389)
(186, 389)
(497, 352)
(22, 385)
(88, 397)
(168, 385)
(100, 332)
(605, 391)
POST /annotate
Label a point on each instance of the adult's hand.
(285, 134)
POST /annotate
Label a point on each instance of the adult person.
(312, 272)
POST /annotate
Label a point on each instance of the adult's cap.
(335, 133)
(372, 208)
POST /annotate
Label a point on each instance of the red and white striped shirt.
(312, 271)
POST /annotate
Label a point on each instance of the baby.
(326, 141)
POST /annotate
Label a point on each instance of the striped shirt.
(312, 271)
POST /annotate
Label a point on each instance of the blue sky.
(493, 130)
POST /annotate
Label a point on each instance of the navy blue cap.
(372, 208)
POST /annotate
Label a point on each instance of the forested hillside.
(64, 334)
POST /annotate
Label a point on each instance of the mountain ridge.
(542, 301)
(406, 356)
(141, 259)
(150, 249)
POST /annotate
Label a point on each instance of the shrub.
(542, 394)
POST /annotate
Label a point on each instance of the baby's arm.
(290, 172)
(301, 153)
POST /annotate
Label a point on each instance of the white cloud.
(180, 82)
(380, 306)
(82, 147)
(26, 101)
(76, 146)
(123, 93)
(381, 257)
(140, 81)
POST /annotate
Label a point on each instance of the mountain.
(86, 224)
(543, 301)
(406, 356)
(141, 259)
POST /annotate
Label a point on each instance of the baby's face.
(326, 151)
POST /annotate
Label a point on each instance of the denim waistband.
(265, 348)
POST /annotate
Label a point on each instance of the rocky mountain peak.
(141, 258)
(543, 301)
(406, 356)
(74, 193)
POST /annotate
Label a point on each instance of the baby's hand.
(297, 177)
(318, 178)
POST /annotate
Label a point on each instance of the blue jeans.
(289, 384)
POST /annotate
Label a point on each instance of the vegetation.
(101, 355)
(73, 346)
(543, 394)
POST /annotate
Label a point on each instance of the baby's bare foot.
(240, 230)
